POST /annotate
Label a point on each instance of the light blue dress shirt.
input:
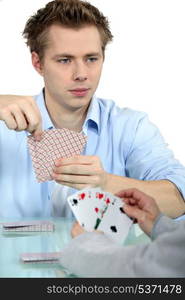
(127, 143)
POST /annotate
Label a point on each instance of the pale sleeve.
(95, 255)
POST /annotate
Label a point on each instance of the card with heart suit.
(96, 209)
(88, 206)
(54, 144)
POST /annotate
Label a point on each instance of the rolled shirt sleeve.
(149, 157)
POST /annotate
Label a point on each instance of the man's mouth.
(80, 92)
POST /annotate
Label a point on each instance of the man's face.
(72, 65)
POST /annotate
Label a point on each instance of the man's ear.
(36, 63)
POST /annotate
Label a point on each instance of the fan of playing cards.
(55, 144)
(97, 209)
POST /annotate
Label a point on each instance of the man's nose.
(80, 72)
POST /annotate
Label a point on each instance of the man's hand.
(21, 113)
(141, 207)
(76, 230)
(80, 172)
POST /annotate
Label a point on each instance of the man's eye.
(92, 59)
(63, 60)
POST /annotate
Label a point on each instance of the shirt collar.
(46, 121)
(92, 119)
(93, 116)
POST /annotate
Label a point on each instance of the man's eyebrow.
(67, 55)
(63, 55)
(93, 54)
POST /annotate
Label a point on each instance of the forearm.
(165, 193)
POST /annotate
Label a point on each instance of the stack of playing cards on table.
(41, 257)
(28, 226)
(54, 144)
(97, 209)
(34, 226)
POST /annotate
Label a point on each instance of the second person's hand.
(141, 207)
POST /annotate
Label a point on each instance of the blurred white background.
(144, 67)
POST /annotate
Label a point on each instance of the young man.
(67, 40)
(97, 256)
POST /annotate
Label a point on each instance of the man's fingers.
(9, 119)
(77, 159)
(38, 135)
(78, 170)
(14, 119)
(94, 180)
(20, 120)
(21, 113)
(33, 118)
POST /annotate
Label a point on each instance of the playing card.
(40, 257)
(55, 144)
(115, 223)
(97, 209)
(88, 207)
(30, 226)
(99, 196)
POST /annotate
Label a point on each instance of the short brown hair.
(69, 13)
